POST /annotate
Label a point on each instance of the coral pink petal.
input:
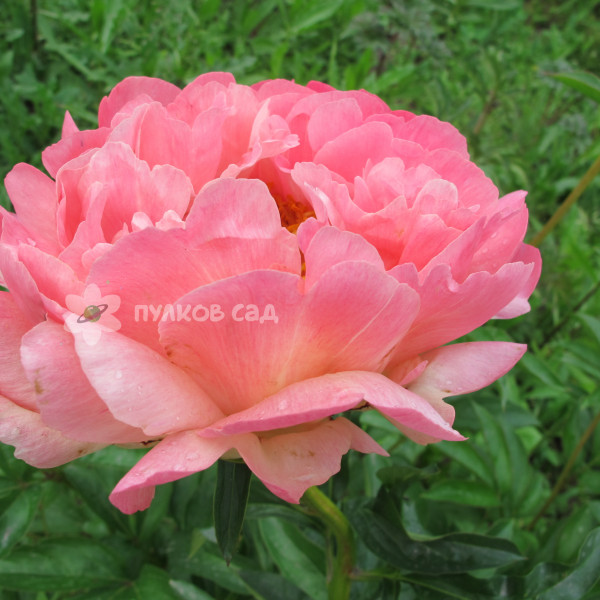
(331, 120)
(336, 327)
(321, 397)
(141, 388)
(330, 246)
(13, 380)
(54, 278)
(464, 368)
(21, 285)
(177, 456)
(348, 153)
(236, 208)
(33, 196)
(131, 87)
(35, 442)
(67, 401)
(450, 310)
(139, 268)
(289, 463)
(431, 133)
(57, 155)
(519, 305)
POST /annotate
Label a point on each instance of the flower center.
(291, 212)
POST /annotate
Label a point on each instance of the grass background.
(483, 65)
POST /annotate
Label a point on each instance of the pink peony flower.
(271, 257)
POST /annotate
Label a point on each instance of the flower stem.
(342, 560)
(566, 470)
(561, 211)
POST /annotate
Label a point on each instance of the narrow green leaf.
(585, 574)
(454, 553)
(314, 13)
(469, 493)
(60, 565)
(296, 558)
(15, 520)
(231, 498)
(586, 83)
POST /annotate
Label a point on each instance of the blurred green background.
(484, 65)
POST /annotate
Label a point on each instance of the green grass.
(485, 66)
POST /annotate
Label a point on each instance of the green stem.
(342, 563)
(566, 470)
(561, 211)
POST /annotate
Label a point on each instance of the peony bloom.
(223, 270)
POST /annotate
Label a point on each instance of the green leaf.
(586, 83)
(231, 498)
(188, 591)
(470, 493)
(296, 557)
(15, 520)
(60, 565)
(467, 455)
(385, 536)
(94, 485)
(271, 586)
(311, 15)
(585, 574)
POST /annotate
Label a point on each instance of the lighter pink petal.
(321, 397)
(330, 246)
(331, 120)
(175, 457)
(67, 401)
(238, 208)
(131, 87)
(21, 285)
(33, 196)
(69, 148)
(141, 388)
(519, 305)
(13, 380)
(289, 463)
(335, 327)
(464, 368)
(35, 442)
(348, 153)
(139, 268)
(449, 310)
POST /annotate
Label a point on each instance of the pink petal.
(53, 278)
(13, 380)
(33, 196)
(139, 268)
(175, 457)
(131, 87)
(289, 463)
(237, 208)
(56, 156)
(348, 153)
(36, 443)
(67, 401)
(465, 368)
(335, 327)
(23, 289)
(321, 397)
(450, 310)
(331, 120)
(519, 305)
(141, 388)
(330, 246)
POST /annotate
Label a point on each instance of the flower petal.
(67, 401)
(35, 442)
